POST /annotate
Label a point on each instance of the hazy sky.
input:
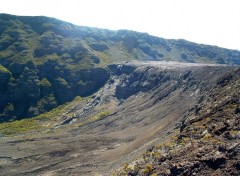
(215, 22)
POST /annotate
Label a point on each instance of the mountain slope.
(43, 36)
(43, 59)
(208, 141)
(144, 103)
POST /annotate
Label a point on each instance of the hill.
(165, 118)
(45, 62)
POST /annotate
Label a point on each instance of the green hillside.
(45, 62)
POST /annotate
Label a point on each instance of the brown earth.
(143, 104)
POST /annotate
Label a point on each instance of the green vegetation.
(8, 109)
(44, 82)
(58, 111)
(61, 82)
(37, 123)
(41, 57)
(96, 117)
(4, 70)
(100, 115)
(47, 120)
(19, 126)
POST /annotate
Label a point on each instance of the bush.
(4, 70)
(148, 169)
(45, 83)
(25, 125)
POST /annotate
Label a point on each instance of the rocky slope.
(143, 104)
(45, 62)
(207, 142)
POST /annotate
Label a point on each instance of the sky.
(214, 22)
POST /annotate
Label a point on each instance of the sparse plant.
(148, 169)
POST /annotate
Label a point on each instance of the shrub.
(45, 83)
(96, 117)
(4, 70)
(148, 169)
(19, 126)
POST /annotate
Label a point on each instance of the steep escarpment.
(41, 88)
(173, 106)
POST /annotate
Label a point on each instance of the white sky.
(215, 22)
